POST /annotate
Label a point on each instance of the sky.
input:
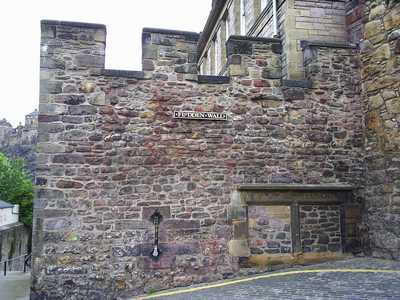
(20, 38)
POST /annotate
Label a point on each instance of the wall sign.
(201, 115)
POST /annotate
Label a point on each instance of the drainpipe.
(274, 18)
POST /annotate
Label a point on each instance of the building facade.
(270, 138)
(20, 142)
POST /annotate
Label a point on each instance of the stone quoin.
(258, 145)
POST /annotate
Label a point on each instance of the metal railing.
(27, 260)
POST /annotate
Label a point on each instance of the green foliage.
(16, 187)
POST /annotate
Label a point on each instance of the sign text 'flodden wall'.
(200, 115)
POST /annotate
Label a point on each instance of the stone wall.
(380, 55)
(269, 229)
(110, 153)
(320, 228)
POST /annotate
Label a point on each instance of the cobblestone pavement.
(320, 285)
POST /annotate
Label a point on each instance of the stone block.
(291, 94)
(186, 68)
(239, 47)
(235, 59)
(382, 82)
(237, 70)
(52, 109)
(392, 19)
(381, 54)
(73, 99)
(51, 128)
(375, 101)
(373, 28)
(397, 47)
(272, 73)
(394, 35)
(393, 106)
(54, 213)
(238, 248)
(51, 63)
(50, 194)
(100, 35)
(148, 264)
(181, 224)
(150, 52)
(87, 87)
(148, 65)
(51, 87)
(69, 184)
(98, 98)
(82, 110)
(69, 158)
(50, 148)
(377, 11)
(87, 60)
(132, 225)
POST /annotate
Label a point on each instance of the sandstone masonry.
(287, 167)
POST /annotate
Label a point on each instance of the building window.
(264, 4)
(226, 28)
(216, 54)
(242, 18)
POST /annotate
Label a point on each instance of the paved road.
(15, 286)
(316, 285)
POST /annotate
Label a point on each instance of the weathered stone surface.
(372, 30)
(86, 60)
(320, 228)
(269, 229)
(121, 154)
(393, 106)
(97, 99)
(74, 99)
(375, 101)
(238, 248)
(382, 136)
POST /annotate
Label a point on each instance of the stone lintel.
(73, 24)
(213, 79)
(237, 44)
(306, 84)
(189, 35)
(123, 73)
(298, 187)
(306, 44)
